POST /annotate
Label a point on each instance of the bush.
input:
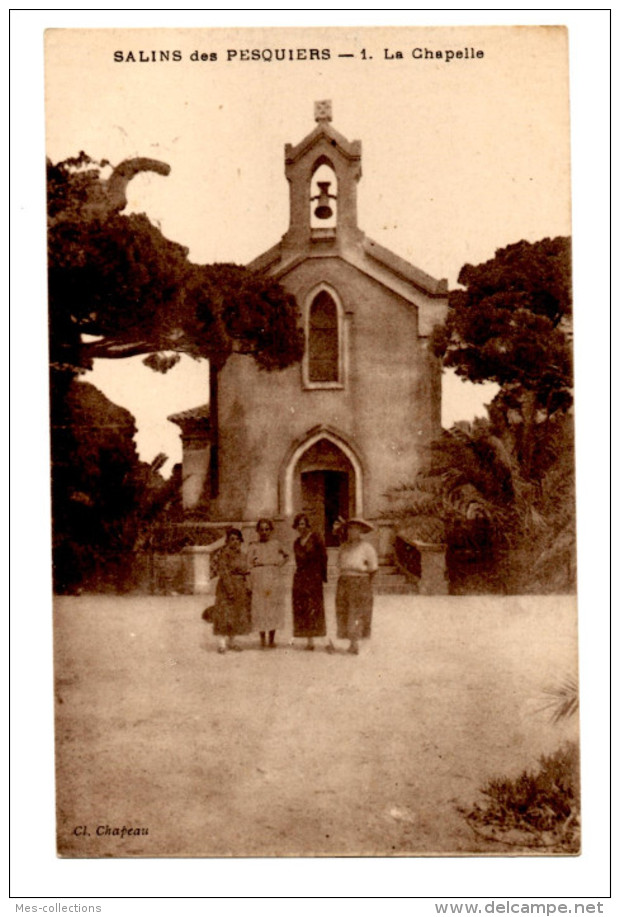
(503, 533)
(539, 809)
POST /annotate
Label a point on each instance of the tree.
(102, 495)
(511, 324)
(502, 532)
(118, 287)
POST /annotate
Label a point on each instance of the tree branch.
(117, 350)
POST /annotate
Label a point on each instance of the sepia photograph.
(309, 589)
(312, 442)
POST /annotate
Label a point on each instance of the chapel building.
(329, 436)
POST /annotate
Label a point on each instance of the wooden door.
(336, 502)
(325, 495)
(313, 499)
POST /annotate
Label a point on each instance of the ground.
(285, 752)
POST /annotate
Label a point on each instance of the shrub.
(538, 809)
(503, 533)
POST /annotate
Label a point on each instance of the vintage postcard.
(313, 499)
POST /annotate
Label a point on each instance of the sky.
(459, 157)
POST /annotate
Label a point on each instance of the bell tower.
(323, 171)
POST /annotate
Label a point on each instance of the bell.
(323, 210)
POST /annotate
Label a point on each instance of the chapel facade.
(332, 435)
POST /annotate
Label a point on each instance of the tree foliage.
(104, 498)
(503, 532)
(511, 324)
(499, 492)
(117, 280)
(119, 288)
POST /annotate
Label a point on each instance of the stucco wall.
(388, 409)
(195, 470)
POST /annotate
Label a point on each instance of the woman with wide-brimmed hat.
(357, 563)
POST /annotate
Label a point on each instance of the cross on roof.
(323, 110)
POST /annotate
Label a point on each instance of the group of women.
(250, 590)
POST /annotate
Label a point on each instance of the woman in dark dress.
(231, 612)
(310, 574)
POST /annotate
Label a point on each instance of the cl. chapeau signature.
(110, 831)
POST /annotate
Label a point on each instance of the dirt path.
(286, 752)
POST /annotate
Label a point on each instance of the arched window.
(323, 340)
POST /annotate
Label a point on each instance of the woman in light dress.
(266, 557)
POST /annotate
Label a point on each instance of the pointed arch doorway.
(323, 479)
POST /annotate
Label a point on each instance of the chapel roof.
(408, 271)
(193, 416)
(346, 242)
(351, 149)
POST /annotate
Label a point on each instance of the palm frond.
(563, 699)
